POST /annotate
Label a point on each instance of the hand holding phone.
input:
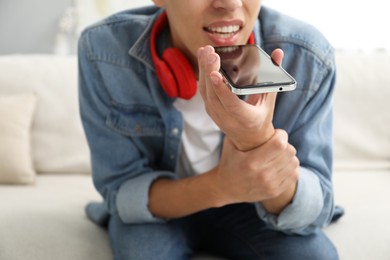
(247, 123)
(248, 69)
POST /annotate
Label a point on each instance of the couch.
(45, 179)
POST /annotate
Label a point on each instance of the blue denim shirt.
(134, 131)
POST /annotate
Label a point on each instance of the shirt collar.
(141, 48)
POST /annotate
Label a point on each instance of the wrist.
(276, 205)
(216, 192)
(250, 142)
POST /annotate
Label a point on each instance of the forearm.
(179, 198)
(231, 181)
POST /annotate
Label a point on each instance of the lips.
(224, 33)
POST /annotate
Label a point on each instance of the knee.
(312, 247)
(146, 241)
(326, 251)
(317, 247)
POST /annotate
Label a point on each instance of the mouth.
(223, 32)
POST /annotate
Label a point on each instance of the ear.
(158, 3)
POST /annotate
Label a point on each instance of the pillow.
(361, 125)
(59, 144)
(16, 113)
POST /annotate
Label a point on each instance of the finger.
(283, 173)
(212, 66)
(211, 101)
(271, 149)
(219, 97)
(277, 56)
(201, 73)
(285, 160)
(289, 174)
(207, 63)
(227, 99)
(219, 91)
(206, 60)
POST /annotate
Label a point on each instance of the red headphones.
(173, 70)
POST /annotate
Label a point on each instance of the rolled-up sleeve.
(133, 197)
(304, 209)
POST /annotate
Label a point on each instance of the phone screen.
(248, 69)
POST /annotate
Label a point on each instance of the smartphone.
(248, 69)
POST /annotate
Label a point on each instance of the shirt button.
(172, 157)
(175, 131)
(138, 128)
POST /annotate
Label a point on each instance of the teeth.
(228, 49)
(225, 35)
(225, 29)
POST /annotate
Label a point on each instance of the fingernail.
(211, 59)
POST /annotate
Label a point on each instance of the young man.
(183, 164)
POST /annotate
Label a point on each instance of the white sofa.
(43, 153)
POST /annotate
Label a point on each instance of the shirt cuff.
(304, 209)
(133, 198)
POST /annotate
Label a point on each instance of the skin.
(257, 163)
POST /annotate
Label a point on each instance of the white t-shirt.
(201, 139)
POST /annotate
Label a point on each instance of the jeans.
(233, 232)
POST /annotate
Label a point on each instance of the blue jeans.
(234, 232)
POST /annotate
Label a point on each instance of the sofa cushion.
(16, 113)
(361, 125)
(58, 141)
(47, 221)
(363, 232)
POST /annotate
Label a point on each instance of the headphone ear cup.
(182, 72)
(166, 78)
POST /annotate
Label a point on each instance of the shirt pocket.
(136, 121)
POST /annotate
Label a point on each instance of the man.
(183, 164)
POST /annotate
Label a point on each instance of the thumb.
(277, 56)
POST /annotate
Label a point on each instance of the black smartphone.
(248, 69)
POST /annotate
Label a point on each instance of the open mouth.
(223, 31)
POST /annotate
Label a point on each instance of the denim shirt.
(134, 131)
